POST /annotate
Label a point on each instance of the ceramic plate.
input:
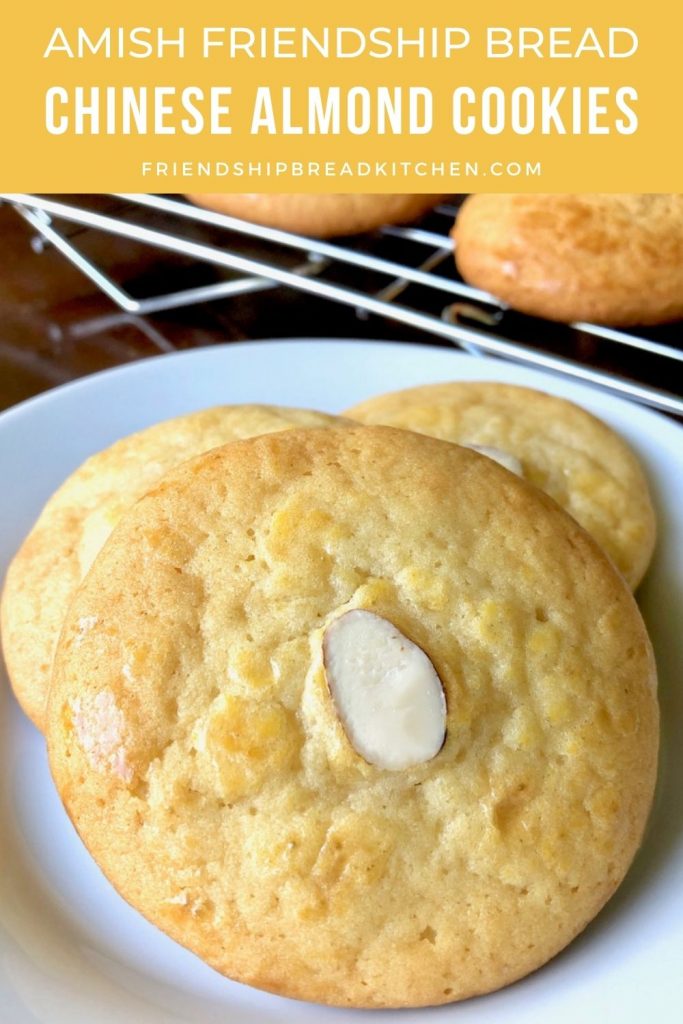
(71, 950)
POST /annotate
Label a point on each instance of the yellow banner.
(356, 97)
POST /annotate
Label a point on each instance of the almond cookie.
(608, 258)
(79, 517)
(321, 216)
(555, 445)
(358, 716)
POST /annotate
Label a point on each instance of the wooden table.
(56, 325)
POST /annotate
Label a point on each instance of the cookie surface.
(612, 259)
(195, 744)
(321, 216)
(79, 517)
(565, 451)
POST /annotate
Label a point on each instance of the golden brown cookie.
(196, 737)
(79, 517)
(609, 258)
(572, 456)
(321, 216)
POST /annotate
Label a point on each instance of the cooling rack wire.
(419, 290)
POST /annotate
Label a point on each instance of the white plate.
(71, 950)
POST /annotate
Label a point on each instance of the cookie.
(79, 517)
(205, 738)
(572, 456)
(606, 258)
(321, 216)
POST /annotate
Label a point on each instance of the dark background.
(56, 325)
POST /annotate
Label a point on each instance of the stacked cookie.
(351, 707)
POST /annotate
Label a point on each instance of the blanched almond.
(386, 691)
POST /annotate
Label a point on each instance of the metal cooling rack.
(471, 319)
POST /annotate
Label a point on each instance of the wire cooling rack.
(417, 287)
